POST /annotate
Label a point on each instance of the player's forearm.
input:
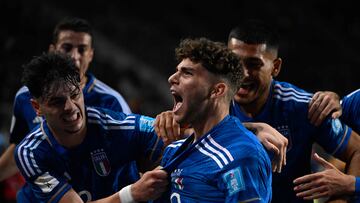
(353, 157)
(7, 163)
(115, 198)
(354, 170)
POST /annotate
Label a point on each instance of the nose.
(173, 78)
(75, 54)
(69, 104)
(246, 72)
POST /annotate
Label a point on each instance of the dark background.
(135, 41)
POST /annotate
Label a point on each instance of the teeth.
(177, 106)
(73, 117)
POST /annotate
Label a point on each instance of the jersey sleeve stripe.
(284, 89)
(25, 158)
(111, 127)
(21, 148)
(230, 157)
(291, 98)
(285, 94)
(250, 200)
(31, 155)
(219, 154)
(211, 148)
(23, 89)
(109, 120)
(209, 155)
(342, 141)
(352, 93)
(109, 123)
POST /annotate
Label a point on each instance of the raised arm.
(7, 163)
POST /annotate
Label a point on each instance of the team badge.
(176, 179)
(146, 124)
(336, 126)
(284, 130)
(234, 181)
(101, 162)
(37, 119)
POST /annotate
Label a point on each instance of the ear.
(51, 48)
(277, 67)
(220, 89)
(36, 106)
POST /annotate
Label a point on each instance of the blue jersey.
(96, 94)
(91, 169)
(351, 110)
(227, 164)
(286, 110)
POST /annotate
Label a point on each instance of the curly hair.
(215, 57)
(50, 70)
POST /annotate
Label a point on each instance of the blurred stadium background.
(135, 41)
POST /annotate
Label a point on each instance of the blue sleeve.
(19, 127)
(357, 186)
(247, 181)
(333, 135)
(147, 142)
(351, 110)
(110, 102)
(44, 183)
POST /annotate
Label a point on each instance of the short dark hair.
(254, 31)
(47, 70)
(215, 57)
(73, 24)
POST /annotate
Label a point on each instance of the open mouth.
(178, 101)
(246, 87)
(72, 117)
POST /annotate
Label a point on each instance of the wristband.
(125, 195)
(357, 185)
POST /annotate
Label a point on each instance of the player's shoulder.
(104, 115)
(288, 92)
(240, 141)
(23, 94)
(353, 95)
(116, 120)
(100, 87)
(34, 144)
(107, 95)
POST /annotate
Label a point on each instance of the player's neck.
(209, 120)
(69, 140)
(83, 81)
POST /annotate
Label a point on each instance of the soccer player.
(72, 36)
(348, 108)
(221, 161)
(285, 107)
(75, 154)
